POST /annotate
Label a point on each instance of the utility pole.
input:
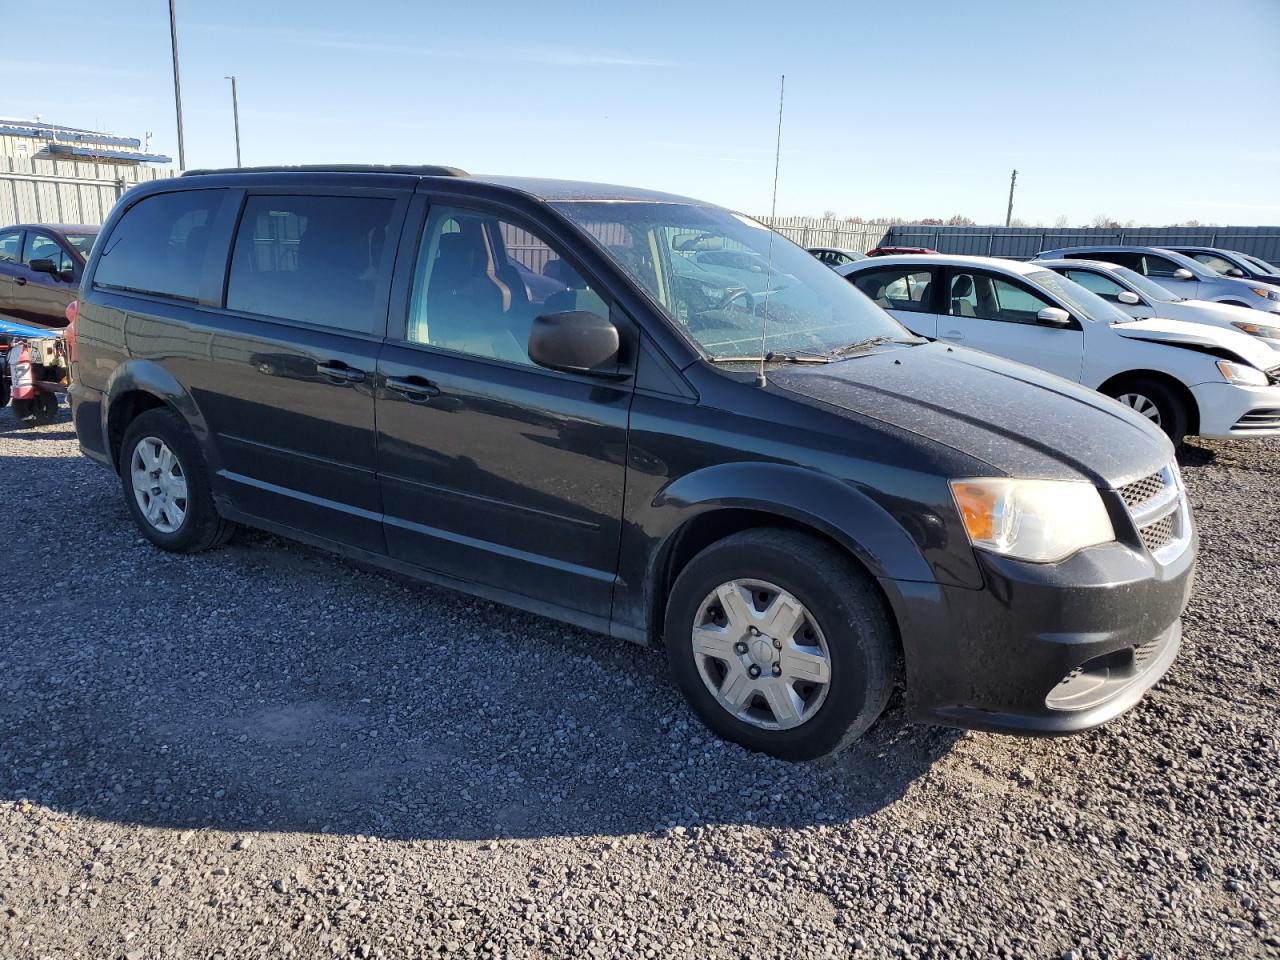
(177, 85)
(235, 111)
(1008, 215)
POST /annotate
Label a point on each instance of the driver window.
(991, 298)
(480, 281)
(41, 246)
(1158, 266)
(1215, 263)
(1104, 287)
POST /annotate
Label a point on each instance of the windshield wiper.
(777, 356)
(874, 342)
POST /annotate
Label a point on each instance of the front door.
(10, 268)
(996, 313)
(41, 297)
(494, 470)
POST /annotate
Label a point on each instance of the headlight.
(1241, 373)
(1268, 294)
(1039, 520)
(1257, 329)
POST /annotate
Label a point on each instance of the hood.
(1217, 341)
(1021, 421)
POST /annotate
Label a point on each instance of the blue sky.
(1157, 111)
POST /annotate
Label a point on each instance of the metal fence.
(1018, 243)
(65, 191)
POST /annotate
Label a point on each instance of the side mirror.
(43, 265)
(1129, 297)
(1182, 273)
(1235, 272)
(1053, 317)
(576, 341)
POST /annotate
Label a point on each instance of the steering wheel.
(737, 293)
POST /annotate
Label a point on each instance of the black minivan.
(538, 392)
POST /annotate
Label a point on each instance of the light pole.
(177, 85)
(1008, 215)
(235, 112)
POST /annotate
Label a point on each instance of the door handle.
(413, 389)
(20, 281)
(340, 371)
(953, 335)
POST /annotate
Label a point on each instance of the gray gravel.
(266, 751)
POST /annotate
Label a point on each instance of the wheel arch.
(1173, 383)
(136, 387)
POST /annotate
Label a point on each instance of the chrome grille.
(1157, 505)
(1140, 491)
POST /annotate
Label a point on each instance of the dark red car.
(40, 268)
(895, 251)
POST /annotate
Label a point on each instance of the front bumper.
(1044, 649)
(1231, 410)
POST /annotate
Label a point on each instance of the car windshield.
(1084, 303)
(1263, 267)
(712, 272)
(1148, 288)
(83, 242)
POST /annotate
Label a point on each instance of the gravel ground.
(266, 751)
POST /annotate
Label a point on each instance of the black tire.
(201, 528)
(842, 601)
(4, 380)
(1170, 408)
(39, 410)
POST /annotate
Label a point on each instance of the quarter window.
(480, 281)
(159, 245)
(313, 259)
(896, 288)
(990, 298)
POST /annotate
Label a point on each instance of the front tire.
(1156, 401)
(166, 485)
(780, 643)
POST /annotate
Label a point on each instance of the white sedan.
(1188, 378)
(1141, 298)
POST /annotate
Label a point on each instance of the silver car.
(1232, 263)
(1177, 273)
(1141, 298)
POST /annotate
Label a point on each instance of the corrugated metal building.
(51, 173)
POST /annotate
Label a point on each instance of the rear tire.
(39, 410)
(812, 668)
(1156, 401)
(166, 485)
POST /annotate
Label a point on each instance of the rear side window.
(159, 245)
(313, 259)
(1131, 260)
(9, 246)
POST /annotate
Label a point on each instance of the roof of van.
(539, 187)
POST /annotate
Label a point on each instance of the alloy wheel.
(1141, 404)
(159, 484)
(761, 654)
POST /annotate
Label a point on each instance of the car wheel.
(166, 485)
(780, 643)
(36, 411)
(1155, 401)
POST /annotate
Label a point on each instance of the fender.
(147, 376)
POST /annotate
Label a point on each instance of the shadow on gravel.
(1192, 455)
(270, 687)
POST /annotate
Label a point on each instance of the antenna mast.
(773, 215)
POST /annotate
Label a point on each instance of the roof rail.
(420, 170)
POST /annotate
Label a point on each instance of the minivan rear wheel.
(1156, 401)
(780, 643)
(166, 485)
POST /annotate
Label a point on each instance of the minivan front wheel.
(166, 485)
(780, 643)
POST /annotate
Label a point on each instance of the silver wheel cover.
(1141, 404)
(761, 654)
(159, 484)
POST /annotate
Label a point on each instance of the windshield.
(1262, 266)
(1084, 303)
(710, 271)
(1148, 288)
(83, 242)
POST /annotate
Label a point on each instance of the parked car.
(1232, 263)
(1178, 273)
(1141, 298)
(892, 251)
(1187, 378)
(836, 256)
(611, 456)
(40, 269)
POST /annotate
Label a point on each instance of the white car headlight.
(1268, 294)
(1257, 329)
(1242, 373)
(1038, 520)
